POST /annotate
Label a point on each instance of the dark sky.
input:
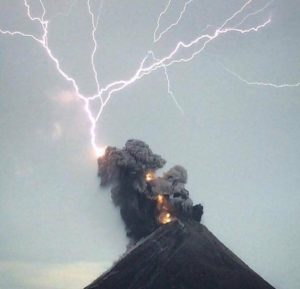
(239, 143)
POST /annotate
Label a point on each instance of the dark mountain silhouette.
(180, 255)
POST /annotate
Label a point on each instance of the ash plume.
(146, 201)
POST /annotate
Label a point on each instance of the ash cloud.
(126, 169)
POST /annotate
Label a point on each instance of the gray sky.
(239, 143)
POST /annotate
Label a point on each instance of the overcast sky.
(239, 143)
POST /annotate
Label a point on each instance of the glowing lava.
(163, 208)
(160, 199)
(149, 176)
(165, 218)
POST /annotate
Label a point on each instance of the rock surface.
(180, 256)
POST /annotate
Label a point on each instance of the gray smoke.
(125, 169)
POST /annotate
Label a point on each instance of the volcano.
(180, 256)
(169, 248)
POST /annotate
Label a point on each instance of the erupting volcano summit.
(169, 248)
(146, 201)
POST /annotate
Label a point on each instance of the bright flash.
(100, 152)
(160, 199)
(165, 218)
(163, 208)
(149, 176)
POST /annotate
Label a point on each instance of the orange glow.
(163, 209)
(160, 199)
(165, 218)
(150, 176)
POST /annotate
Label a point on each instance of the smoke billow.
(145, 201)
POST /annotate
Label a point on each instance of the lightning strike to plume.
(104, 93)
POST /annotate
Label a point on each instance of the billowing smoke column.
(145, 201)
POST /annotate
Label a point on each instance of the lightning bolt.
(171, 59)
(43, 41)
(105, 92)
(254, 13)
(170, 92)
(162, 13)
(94, 30)
(260, 83)
(157, 38)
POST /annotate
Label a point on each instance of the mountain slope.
(180, 256)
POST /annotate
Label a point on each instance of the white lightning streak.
(18, 33)
(159, 17)
(157, 38)
(29, 12)
(94, 30)
(260, 83)
(169, 59)
(44, 42)
(104, 93)
(254, 13)
(170, 92)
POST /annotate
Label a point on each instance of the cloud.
(35, 275)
